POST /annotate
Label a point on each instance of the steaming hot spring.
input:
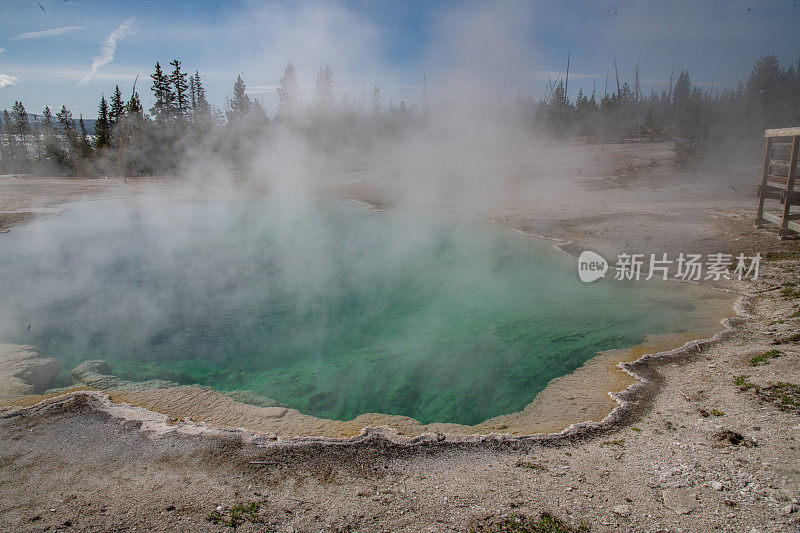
(322, 306)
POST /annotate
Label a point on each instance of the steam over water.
(325, 307)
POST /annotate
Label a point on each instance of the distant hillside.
(34, 118)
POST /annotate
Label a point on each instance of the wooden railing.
(778, 179)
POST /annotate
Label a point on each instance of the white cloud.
(7, 81)
(107, 50)
(74, 73)
(2, 50)
(45, 33)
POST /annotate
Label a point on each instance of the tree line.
(130, 141)
(697, 119)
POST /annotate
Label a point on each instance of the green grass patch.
(742, 383)
(618, 442)
(790, 291)
(545, 523)
(789, 339)
(717, 412)
(784, 395)
(236, 515)
(764, 358)
(780, 255)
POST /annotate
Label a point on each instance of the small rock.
(621, 510)
(679, 501)
(716, 485)
(791, 508)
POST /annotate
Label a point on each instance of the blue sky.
(47, 48)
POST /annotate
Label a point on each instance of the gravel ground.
(707, 449)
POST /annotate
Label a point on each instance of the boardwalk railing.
(778, 180)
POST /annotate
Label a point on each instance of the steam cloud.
(108, 49)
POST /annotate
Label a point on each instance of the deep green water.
(328, 308)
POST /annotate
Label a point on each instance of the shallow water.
(325, 307)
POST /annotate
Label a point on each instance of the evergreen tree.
(20, 120)
(324, 85)
(192, 96)
(7, 156)
(65, 120)
(376, 100)
(179, 87)
(202, 109)
(164, 106)
(134, 107)
(47, 117)
(101, 125)
(764, 83)
(117, 108)
(239, 107)
(84, 148)
(680, 95)
(258, 115)
(288, 91)
(50, 142)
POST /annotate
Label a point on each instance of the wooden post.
(764, 177)
(787, 203)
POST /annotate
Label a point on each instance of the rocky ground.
(713, 445)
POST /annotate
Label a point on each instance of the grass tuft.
(236, 515)
(765, 357)
(785, 396)
(545, 523)
(790, 338)
(742, 383)
(790, 291)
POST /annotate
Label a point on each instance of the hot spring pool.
(325, 307)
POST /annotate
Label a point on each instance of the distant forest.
(128, 140)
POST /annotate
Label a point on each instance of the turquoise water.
(326, 307)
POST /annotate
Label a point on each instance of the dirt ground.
(710, 442)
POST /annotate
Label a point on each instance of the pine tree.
(20, 120)
(101, 125)
(179, 87)
(288, 91)
(376, 100)
(134, 107)
(765, 80)
(324, 85)
(192, 96)
(202, 110)
(6, 147)
(117, 108)
(47, 117)
(65, 120)
(239, 107)
(84, 147)
(164, 106)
